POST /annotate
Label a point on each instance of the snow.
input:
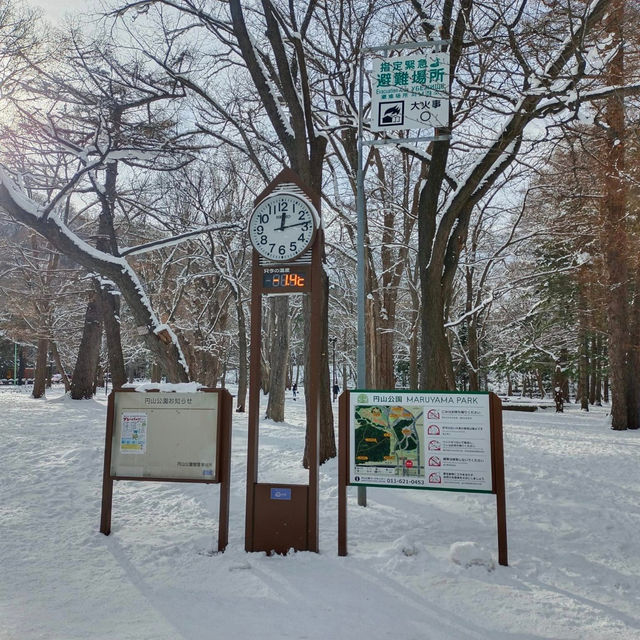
(175, 387)
(421, 564)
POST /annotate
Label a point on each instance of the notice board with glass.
(168, 436)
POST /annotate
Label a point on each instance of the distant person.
(336, 391)
(294, 388)
(559, 398)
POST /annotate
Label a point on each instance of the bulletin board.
(168, 436)
(165, 436)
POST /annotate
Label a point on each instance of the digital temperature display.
(284, 279)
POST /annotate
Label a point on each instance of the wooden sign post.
(421, 440)
(168, 437)
(287, 239)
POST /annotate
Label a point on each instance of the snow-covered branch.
(158, 338)
(175, 240)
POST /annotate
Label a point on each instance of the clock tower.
(286, 235)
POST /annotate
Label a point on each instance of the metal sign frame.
(222, 471)
(497, 472)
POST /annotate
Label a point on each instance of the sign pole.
(497, 456)
(361, 381)
(107, 480)
(254, 404)
(361, 357)
(343, 470)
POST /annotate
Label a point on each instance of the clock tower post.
(286, 235)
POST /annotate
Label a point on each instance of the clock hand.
(283, 219)
(295, 224)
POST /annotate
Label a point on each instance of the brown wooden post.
(343, 470)
(225, 413)
(254, 404)
(312, 378)
(497, 461)
(107, 482)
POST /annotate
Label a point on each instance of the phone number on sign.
(409, 481)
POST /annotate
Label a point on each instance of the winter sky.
(56, 9)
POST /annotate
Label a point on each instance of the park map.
(387, 439)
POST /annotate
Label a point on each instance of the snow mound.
(406, 546)
(179, 387)
(469, 554)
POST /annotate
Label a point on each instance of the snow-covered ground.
(573, 490)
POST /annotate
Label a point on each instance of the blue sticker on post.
(281, 493)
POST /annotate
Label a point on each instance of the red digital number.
(293, 280)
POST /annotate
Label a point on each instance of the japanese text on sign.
(410, 92)
(421, 440)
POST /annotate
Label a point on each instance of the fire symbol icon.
(391, 114)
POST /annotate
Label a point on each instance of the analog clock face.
(282, 227)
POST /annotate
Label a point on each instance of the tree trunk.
(613, 231)
(371, 331)
(584, 372)
(564, 357)
(437, 369)
(593, 367)
(385, 375)
(278, 357)
(414, 338)
(40, 375)
(110, 300)
(56, 358)
(243, 358)
(84, 373)
(541, 390)
(21, 366)
(327, 447)
(598, 374)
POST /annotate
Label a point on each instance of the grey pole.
(361, 354)
(361, 382)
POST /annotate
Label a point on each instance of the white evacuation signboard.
(165, 435)
(420, 440)
(410, 92)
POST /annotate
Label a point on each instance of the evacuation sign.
(410, 92)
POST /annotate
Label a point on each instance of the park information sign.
(410, 92)
(421, 440)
